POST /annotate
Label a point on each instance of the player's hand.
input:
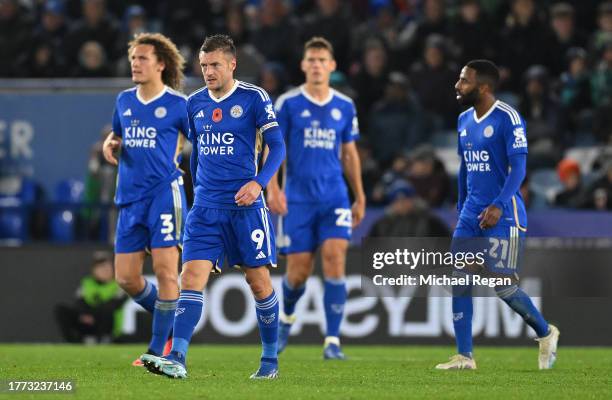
(277, 201)
(358, 211)
(108, 149)
(248, 194)
(489, 217)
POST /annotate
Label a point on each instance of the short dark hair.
(219, 42)
(486, 72)
(318, 42)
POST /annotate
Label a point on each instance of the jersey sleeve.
(283, 117)
(191, 131)
(184, 124)
(116, 123)
(265, 117)
(515, 134)
(351, 131)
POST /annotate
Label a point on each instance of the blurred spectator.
(408, 216)
(275, 37)
(370, 170)
(47, 55)
(100, 184)
(603, 34)
(601, 92)
(599, 193)
(526, 193)
(543, 115)
(575, 90)
(371, 79)
(96, 26)
(564, 35)
(568, 171)
(472, 34)
(433, 80)
(396, 173)
(43, 62)
(186, 21)
(95, 315)
(134, 22)
(236, 25)
(523, 41)
(384, 26)
(433, 21)
(15, 37)
(428, 176)
(332, 21)
(272, 79)
(92, 62)
(395, 124)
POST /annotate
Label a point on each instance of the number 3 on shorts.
(167, 225)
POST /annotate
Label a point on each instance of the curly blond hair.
(166, 52)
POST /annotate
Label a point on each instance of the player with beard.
(493, 151)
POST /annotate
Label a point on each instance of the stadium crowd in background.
(398, 59)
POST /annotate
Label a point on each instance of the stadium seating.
(68, 199)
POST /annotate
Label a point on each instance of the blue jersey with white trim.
(229, 132)
(485, 145)
(152, 139)
(314, 132)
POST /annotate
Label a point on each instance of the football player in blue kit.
(493, 150)
(149, 125)
(230, 121)
(320, 128)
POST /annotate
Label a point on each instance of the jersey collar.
(479, 120)
(151, 100)
(226, 95)
(315, 101)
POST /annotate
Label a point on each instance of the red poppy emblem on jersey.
(217, 115)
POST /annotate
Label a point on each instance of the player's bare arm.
(352, 170)
(110, 146)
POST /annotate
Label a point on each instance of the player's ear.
(333, 64)
(233, 64)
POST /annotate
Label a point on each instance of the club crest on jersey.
(488, 131)
(236, 111)
(160, 112)
(336, 114)
(217, 115)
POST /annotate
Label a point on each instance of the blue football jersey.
(484, 146)
(229, 132)
(152, 139)
(314, 132)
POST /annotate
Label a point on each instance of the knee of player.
(166, 274)
(505, 291)
(260, 287)
(127, 281)
(333, 265)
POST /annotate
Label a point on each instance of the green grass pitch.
(373, 372)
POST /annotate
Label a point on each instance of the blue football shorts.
(245, 237)
(307, 225)
(152, 222)
(501, 245)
